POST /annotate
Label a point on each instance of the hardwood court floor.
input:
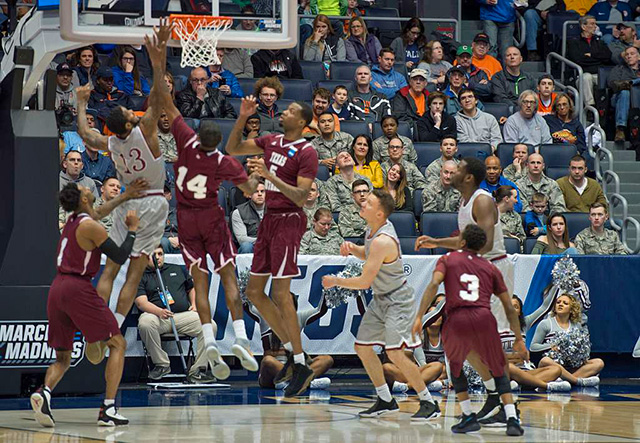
(248, 414)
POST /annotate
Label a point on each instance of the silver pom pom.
(571, 348)
(337, 295)
(243, 281)
(566, 274)
(473, 378)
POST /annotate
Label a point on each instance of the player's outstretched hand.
(328, 281)
(424, 241)
(257, 166)
(132, 221)
(521, 349)
(157, 44)
(248, 107)
(346, 248)
(416, 330)
(136, 188)
(83, 93)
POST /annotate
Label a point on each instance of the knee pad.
(460, 383)
(503, 385)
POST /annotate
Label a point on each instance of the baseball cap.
(104, 72)
(63, 67)
(464, 49)
(456, 69)
(481, 37)
(623, 25)
(418, 73)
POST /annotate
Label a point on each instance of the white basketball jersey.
(465, 217)
(134, 159)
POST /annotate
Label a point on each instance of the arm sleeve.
(428, 202)
(236, 90)
(259, 68)
(123, 81)
(311, 51)
(579, 244)
(398, 49)
(376, 175)
(118, 254)
(247, 65)
(511, 133)
(187, 107)
(545, 133)
(548, 300)
(351, 52)
(418, 354)
(539, 248)
(537, 343)
(496, 134)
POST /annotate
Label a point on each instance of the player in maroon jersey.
(470, 329)
(289, 167)
(202, 229)
(74, 305)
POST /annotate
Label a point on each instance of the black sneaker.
(40, 406)
(109, 416)
(286, 372)
(490, 407)
(468, 423)
(498, 420)
(201, 376)
(513, 427)
(380, 407)
(300, 380)
(427, 411)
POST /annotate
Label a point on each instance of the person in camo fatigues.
(336, 192)
(596, 239)
(350, 222)
(321, 240)
(330, 142)
(448, 148)
(110, 189)
(439, 195)
(396, 150)
(506, 198)
(518, 168)
(313, 202)
(535, 181)
(389, 126)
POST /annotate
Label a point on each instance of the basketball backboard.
(272, 25)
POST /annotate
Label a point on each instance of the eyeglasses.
(361, 192)
(395, 147)
(268, 95)
(199, 80)
(528, 102)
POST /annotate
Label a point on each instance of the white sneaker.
(435, 386)
(219, 368)
(514, 385)
(241, 349)
(109, 416)
(589, 381)
(399, 388)
(559, 386)
(320, 383)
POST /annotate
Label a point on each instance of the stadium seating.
(313, 71)
(179, 83)
(403, 129)
(478, 150)
(247, 85)
(427, 152)
(498, 110)
(335, 216)
(343, 70)
(226, 125)
(235, 102)
(193, 123)
(297, 89)
(176, 69)
(404, 222)
(385, 30)
(331, 84)
(439, 224)
(556, 173)
(323, 173)
(354, 127)
(505, 153)
(512, 245)
(529, 243)
(557, 155)
(407, 246)
(283, 104)
(417, 202)
(576, 222)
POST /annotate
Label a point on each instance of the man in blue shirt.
(611, 10)
(224, 79)
(498, 22)
(384, 78)
(494, 179)
(96, 164)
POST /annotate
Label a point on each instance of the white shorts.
(505, 266)
(153, 212)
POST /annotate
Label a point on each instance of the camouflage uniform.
(510, 173)
(107, 222)
(330, 148)
(314, 244)
(168, 146)
(381, 149)
(607, 243)
(350, 223)
(546, 186)
(435, 198)
(433, 170)
(336, 192)
(415, 179)
(310, 212)
(512, 225)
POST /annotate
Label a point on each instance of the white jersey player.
(136, 153)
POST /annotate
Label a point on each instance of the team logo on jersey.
(24, 344)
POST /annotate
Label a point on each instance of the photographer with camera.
(223, 79)
(65, 105)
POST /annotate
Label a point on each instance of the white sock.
(239, 329)
(425, 395)
(465, 405)
(109, 402)
(510, 411)
(490, 384)
(207, 332)
(119, 318)
(288, 346)
(299, 359)
(383, 392)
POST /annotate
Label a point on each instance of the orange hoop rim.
(191, 22)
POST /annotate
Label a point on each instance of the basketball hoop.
(198, 35)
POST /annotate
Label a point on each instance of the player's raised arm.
(348, 248)
(95, 234)
(427, 298)
(424, 241)
(382, 248)
(88, 136)
(134, 190)
(235, 145)
(297, 194)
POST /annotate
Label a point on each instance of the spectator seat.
(555, 173)
(576, 222)
(407, 246)
(323, 173)
(403, 129)
(297, 89)
(427, 152)
(226, 125)
(404, 222)
(529, 243)
(505, 153)
(236, 198)
(193, 123)
(313, 71)
(355, 127)
(439, 224)
(417, 203)
(512, 245)
(247, 85)
(498, 110)
(478, 150)
(344, 70)
(557, 155)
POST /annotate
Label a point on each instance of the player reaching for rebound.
(390, 314)
(289, 167)
(479, 208)
(470, 331)
(74, 305)
(136, 153)
(199, 170)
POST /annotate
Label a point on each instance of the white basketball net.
(199, 39)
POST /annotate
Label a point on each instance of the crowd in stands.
(401, 121)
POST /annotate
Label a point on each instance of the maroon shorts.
(473, 329)
(74, 305)
(202, 232)
(275, 252)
